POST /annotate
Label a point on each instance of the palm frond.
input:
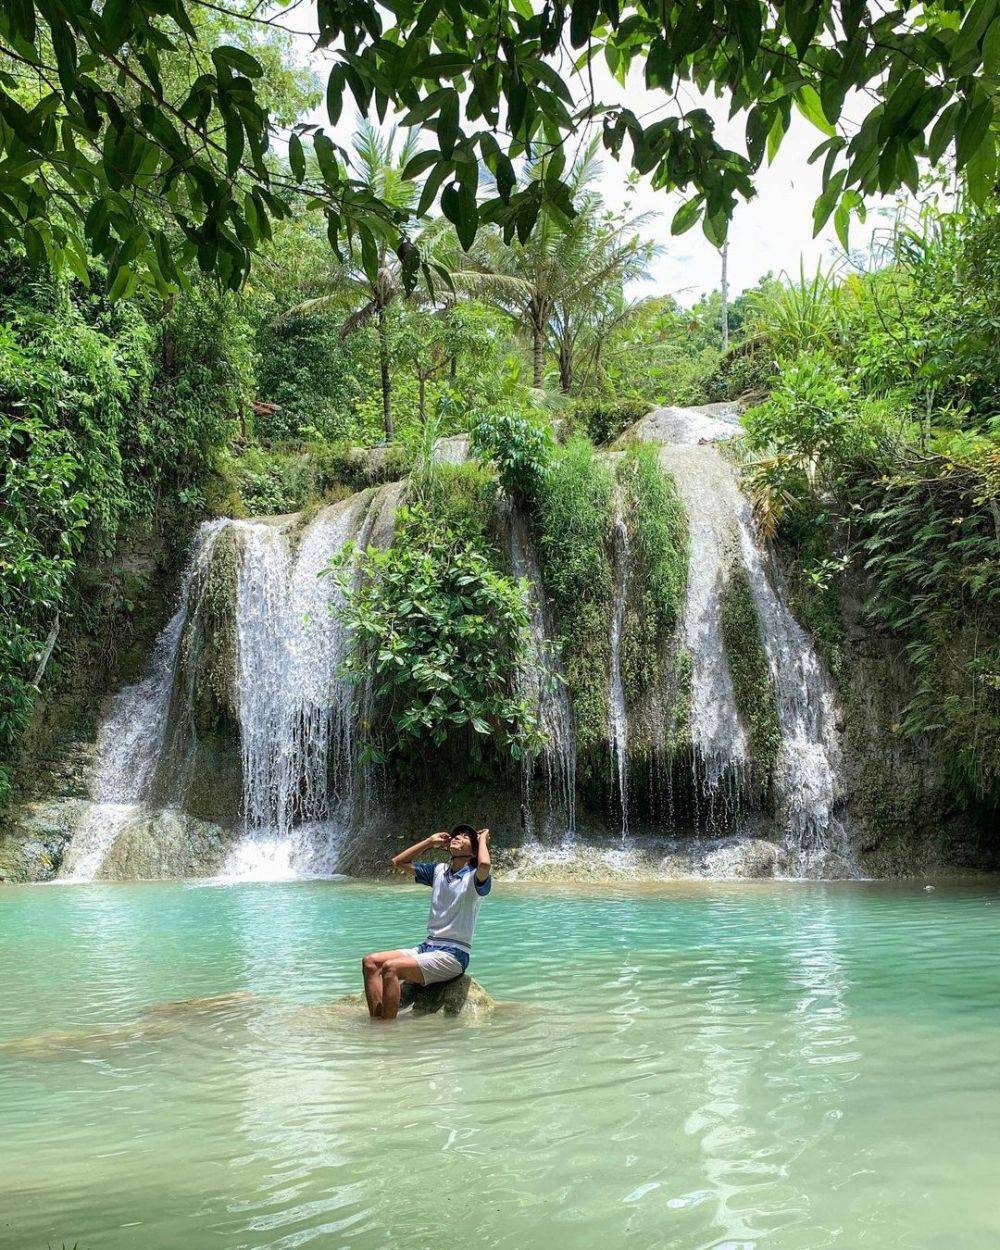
(357, 320)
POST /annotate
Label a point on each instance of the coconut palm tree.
(378, 163)
(605, 256)
(552, 283)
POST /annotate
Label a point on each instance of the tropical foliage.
(560, 279)
(103, 410)
(877, 454)
(439, 632)
(144, 131)
(428, 281)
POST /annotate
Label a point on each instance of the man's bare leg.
(398, 968)
(371, 970)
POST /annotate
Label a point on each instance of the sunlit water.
(778, 1065)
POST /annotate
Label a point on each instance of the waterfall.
(256, 648)
(542, 679)
(721, 530)
(617, 716)
(720, 748)
(131, 740)
(806, 768)
(296, 710)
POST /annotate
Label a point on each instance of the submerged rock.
(451, 998)
(156, 1021)
(616, 861)
(463, 996)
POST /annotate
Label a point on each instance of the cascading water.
(543, 682)
(256, 647)
(806, 768)
(131, 739)
(296, 710)
(617, 716)
(721, 530)
(720, 748)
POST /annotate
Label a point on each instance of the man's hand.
(483, 858)
(405, 858)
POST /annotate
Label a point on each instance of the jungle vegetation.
(207, 306)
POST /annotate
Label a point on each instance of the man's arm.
(405, 858)
(484, 863)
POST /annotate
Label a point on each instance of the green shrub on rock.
(441, 633)
(753, 686)
(519, 447)
(574, 517)
(603, 419)
(463, 498)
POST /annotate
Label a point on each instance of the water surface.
(786, 1066)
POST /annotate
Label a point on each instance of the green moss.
(753, 686)
(679, 724)
(211, 646)
(574, 516)
(605, 418)
(463, 497)
(815, 604)
(269, 481)
(812, 556)
(345, 463)
(658, 565)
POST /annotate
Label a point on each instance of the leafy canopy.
(100, 146)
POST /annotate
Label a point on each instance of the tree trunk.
(383, 355)
(538, 357)
(725, 297)
(420, 400)
(565, 368)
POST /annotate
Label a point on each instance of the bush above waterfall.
(520, 447)
(604, 418)
(439, 632)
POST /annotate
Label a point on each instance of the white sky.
(771, 232)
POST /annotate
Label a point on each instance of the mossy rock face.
(753, 685)
(200, 768)
(211, 644)
(33, 846)
(165, 843)
(463, 995)
(679, 724)
(117, 605)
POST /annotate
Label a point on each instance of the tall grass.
(574, 514)
(800, 314)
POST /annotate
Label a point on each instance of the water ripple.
(779, 1067)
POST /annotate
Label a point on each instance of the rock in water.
(451, 998)
(463, 996)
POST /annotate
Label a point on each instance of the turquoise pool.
(775, 1066)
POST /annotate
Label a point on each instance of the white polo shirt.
(454, 903)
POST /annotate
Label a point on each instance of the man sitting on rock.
(458, 889)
